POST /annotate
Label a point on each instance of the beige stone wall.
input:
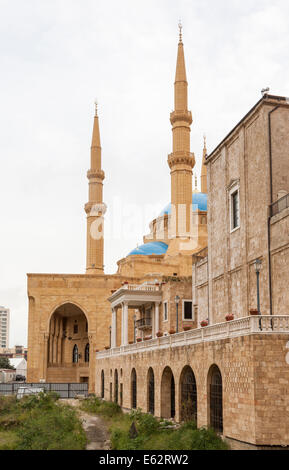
(46, 294)
(280, 150)
(90, 293)
(242, 160)
(255, 383)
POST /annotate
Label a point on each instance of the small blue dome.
(199, 201)
(152, 248)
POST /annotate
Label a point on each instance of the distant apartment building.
(17, 351)
(4, 327)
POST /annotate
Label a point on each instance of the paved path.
(94, 427)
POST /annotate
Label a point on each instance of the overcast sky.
(56, 57)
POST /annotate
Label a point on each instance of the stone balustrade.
(263, 324)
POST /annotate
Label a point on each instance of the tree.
(5, 363)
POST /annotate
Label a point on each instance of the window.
(133, 389)
(75, 354)
(165, 311)
(75, 329)
(102, 384)
(187, 310)
(86, 353)
(235, 209)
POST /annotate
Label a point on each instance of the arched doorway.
(215, 389)
(188, 395)
(133, 389)
(115, 386)
(102, 384)
(68, 345)
(151, 391)
(168, 406)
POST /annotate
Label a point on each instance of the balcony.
(144, 323)
(263, 324)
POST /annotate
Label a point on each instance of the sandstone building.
(155, 335)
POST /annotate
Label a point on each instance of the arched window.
(75, 354)
(102, 384)
(168, 408)
(216, 398)
(188, 391)
(86, 353)
(151, 391)
(116, 386)
(133, 389)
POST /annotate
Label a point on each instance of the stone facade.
(255, 383)
(225, 278)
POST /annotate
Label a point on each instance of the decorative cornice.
(95, 209)
(96, 174)
(181, 158)
(182, 116)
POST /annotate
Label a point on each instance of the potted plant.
(204, 323)
(147, 338)
(125, 282)
(97, 350)
(113, 291)
(139, 340)
(159, 334)
(107, 347)
(172, 331)
(187, 327)
(130, 342)
(229, 317)
(254, 311)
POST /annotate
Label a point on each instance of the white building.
(20, 365)
(4, 327)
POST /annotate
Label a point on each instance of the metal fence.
(64, 390)
(280, 205)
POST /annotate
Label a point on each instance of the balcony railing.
(141, 287)
(280, 205)
(259, 324)
(145, 322)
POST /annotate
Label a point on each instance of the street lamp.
(134, 328)
(257, 265)
(177, 300)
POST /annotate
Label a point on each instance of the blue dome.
(152, 248)
(199, 201)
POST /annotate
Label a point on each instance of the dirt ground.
(95, 429)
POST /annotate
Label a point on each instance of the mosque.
(183, 329)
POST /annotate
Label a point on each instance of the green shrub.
(103, 408)
(38, 422)
(55, 428)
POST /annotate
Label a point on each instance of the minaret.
(204, 188)
(95, 208)
(181, 160)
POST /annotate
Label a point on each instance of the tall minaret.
(181, 160)
(95, 208)
(204, 169)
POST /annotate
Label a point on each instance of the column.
(122, 325)
(113, 328)
(157, 318)
(125, 313)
